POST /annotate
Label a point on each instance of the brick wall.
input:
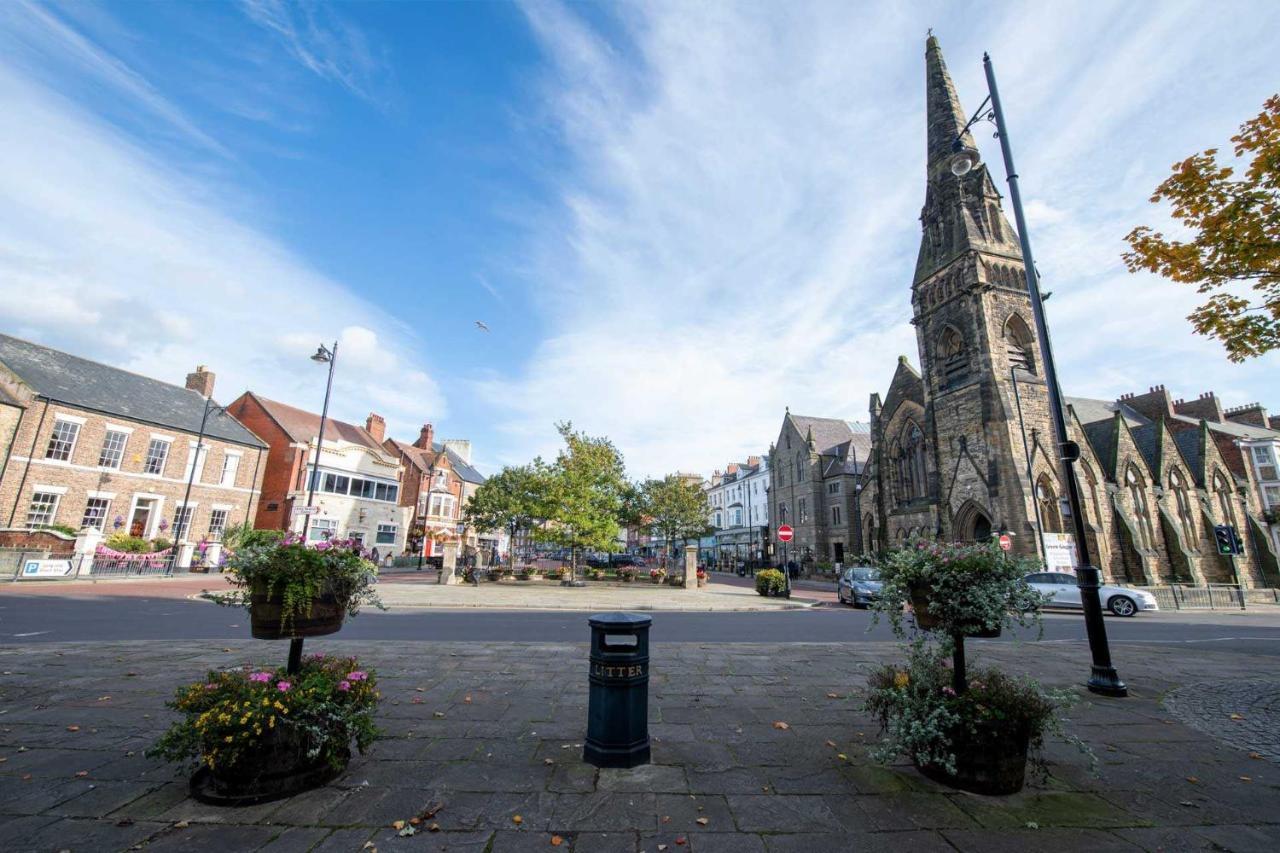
(284, 464)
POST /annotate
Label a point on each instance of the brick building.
(93, 446)
(738, 504)
(961, 449)
(437, 483)
(358, 484)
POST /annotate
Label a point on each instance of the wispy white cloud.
(110, 254)
(739, 227)
(324, 42)
(31, 29)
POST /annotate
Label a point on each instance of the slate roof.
(420, 458)
(829, 433)
(1147, 438)
(74, 381)
(1089, 410)
(1232, 428)
(1188, 441)
(1102, 436)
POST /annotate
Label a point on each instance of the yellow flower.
(901, 679)
(227, 739)
(271, 722)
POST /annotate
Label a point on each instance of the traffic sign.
(1006, 542)
(785, 533)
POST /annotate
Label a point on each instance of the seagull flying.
(481, 326)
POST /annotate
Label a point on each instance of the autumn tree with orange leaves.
(1233, 255)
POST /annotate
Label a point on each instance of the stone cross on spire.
(945, 116)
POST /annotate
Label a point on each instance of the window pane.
(217, 524)
(112, 448)
(157, 453)
(95, 513)
(62, 440)
(230, 466)
(43, 509)
(386, 534)
(181, 522)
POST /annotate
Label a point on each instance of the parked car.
(858, 585)
(598, 561)
(1063, 593)
(623, 560)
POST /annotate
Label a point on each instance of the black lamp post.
(1103, 679)
(323, 355)
(188, 517)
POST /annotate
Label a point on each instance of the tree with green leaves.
(676, 509)
(1234, 250)
(585, 494)
(515, 500)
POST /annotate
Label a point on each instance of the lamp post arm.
(1104, 679)
(324, 416)
(186, 499)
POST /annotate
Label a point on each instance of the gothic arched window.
(1047, 500)
(1224, 498)
(1182, 501)
(994, 213)
(1018, 344)
(799, 467)
(909, 463)
(955, 363)
(1142, 517)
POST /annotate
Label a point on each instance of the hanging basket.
(267, 622)
(990, 759)
(926, 620)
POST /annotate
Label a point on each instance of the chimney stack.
(426, 438)
(459, 447)
(1253, 414)
(1156, 404)
(1206, 408)
(753, 461)
(201, 382)
(376, 427)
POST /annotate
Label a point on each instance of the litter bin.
(618, 706)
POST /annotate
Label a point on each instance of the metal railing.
(1210, 597)
(99, 566)
(38, 564)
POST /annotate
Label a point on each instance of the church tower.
(976, 336)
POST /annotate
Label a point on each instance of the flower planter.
(267, 617)
(927, 621)
(990, 759)
(279, 769)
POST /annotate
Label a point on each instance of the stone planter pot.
(992, 760)
(267, 622)
(278, 769)
(927, 621)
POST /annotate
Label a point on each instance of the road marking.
(1170, 642)
(33, 634)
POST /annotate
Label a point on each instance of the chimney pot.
(426, 438)
(201, 381)
(376, 427)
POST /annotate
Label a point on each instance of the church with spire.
(961, 449)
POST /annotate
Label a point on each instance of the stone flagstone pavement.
(508, 740)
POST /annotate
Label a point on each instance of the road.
(121, 612)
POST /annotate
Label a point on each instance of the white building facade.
(738, 504)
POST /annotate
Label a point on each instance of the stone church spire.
(961, 214)
(944, 114)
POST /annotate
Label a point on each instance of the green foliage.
(770, 582)
(128, 544)
(922, 716)
(244, 535)
(584, 494)
(514, 499)
(56, 527)
(229, 719)
(1235, 245)
(161, 544)
(673, 508)
(298, 574)
(968, 587)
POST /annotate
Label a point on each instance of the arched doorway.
(972, 524)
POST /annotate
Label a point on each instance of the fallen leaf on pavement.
(467, 699)
(182, 824)
(1246, 778)
(702, 821)
(438, 714)
(368, 845)
(226, 650)
(1188, 804)
(1236, 717)
(104, 698)
(547, 761)
(781, 725)
(842, 756)
(1193, 780)
(417, 700)
(556, 841)
(73, 728)
(517, 820)
(80, 774)
(834, 696)
(682, 841)
(420, 689)
(435, 827)
(661, 847)
(1254, 755)
(407, 831)
(666, 818)
(415, 820)
(831, 744)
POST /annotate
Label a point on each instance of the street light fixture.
(1103, 678)
(323, 355)
(187, 516)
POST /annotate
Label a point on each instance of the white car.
(1062, 591)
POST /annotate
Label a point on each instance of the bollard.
(618, 709)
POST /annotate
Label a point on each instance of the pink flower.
(358, 675)
(344, 686)
(282, 686)
(211, 686)
(260, 676)
(948, 691)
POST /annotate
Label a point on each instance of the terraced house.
(91, 445)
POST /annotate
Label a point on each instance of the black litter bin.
(618, 709)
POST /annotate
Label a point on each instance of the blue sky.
(675, 218)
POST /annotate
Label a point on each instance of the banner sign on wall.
(1060, 553)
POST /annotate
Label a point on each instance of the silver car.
(1062, 591)
(858, 585)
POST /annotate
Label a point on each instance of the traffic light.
(1227, 540)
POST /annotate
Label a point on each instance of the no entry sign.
(785, 533)
(1005, 542)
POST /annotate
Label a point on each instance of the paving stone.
(1164, 839)
(1017, 841)
(742, 780)
(782, 813)
(1046, 809)
(605, 812)
(297, 839)
(605, 842)
(344, 841)
(722, 842)
(212, 837)
(682, 811)
(897, 812)
(897, 842)
(653, 778)
(1242, 839)
(89, 836)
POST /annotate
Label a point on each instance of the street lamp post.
(187, 516)
(1103, 678)
(323, 355)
